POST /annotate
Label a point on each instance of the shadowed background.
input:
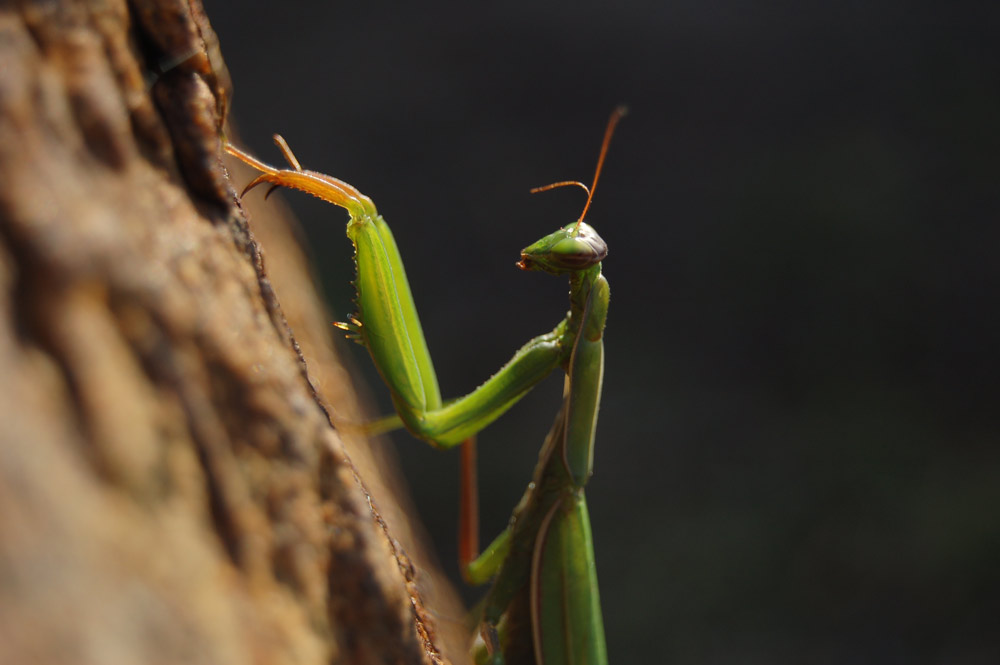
(797, 454)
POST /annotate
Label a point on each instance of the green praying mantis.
(543, 606)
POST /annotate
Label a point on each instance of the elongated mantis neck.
(580, 284)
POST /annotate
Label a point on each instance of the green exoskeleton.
(543, 606)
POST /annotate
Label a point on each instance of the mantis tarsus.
(543, 605)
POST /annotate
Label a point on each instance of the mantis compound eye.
(567, 250)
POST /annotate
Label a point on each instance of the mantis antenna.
(616, 115)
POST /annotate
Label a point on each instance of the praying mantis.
(543, 606)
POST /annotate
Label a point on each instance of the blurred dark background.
(797, 454)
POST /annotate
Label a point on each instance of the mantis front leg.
(387, 323)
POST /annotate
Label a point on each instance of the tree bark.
(172, 488)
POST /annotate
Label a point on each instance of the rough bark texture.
(171, 486)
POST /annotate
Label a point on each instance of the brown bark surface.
(171, 486)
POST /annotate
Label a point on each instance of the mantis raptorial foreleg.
(544, 599)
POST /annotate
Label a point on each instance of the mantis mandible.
(543, 605)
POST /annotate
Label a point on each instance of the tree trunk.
(172, 488)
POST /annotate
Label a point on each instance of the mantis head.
(572, 248)
(576, 246)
